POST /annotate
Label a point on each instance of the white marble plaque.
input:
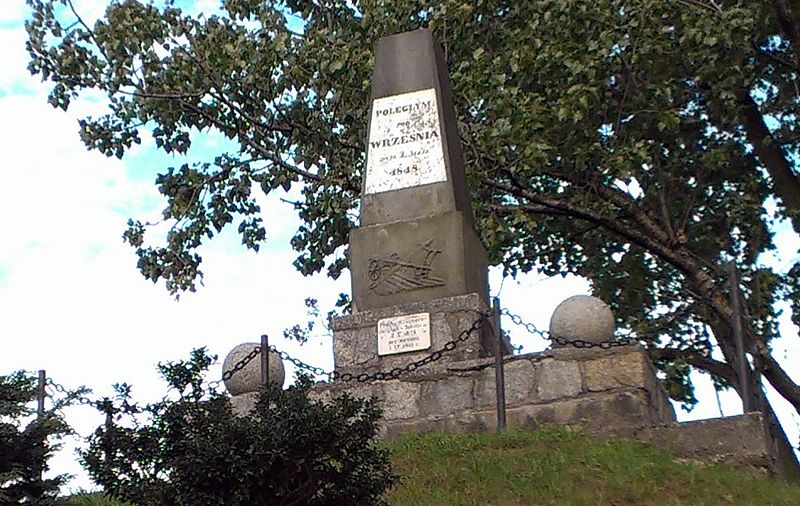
(404, 333)
(405, 142)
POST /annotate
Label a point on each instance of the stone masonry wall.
(586, 388)
(608, 393)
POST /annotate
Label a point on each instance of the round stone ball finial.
(583, 317)
(249, 378)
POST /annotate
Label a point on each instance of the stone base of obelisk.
(355, 337)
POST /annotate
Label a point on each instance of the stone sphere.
(249, 378)
(583, 317)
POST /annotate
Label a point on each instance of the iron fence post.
(264, 359)
(499, 372)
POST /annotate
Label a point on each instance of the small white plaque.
(405, 142)
(404, 333)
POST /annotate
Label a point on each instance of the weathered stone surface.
(737, 440)
(243, 404)
(619, 409)
(249, 378)
(404, 63)
(634, 405)
(401, 400)
(557, 379)
(425, 258)
(583, 317)
(619, 370)
(446, 396)
(355, 337)
(520, 382)
(532, 379)
(484, 389)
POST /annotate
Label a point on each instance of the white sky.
(73, 303)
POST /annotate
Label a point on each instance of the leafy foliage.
(26, 443)
(642, 145)
(195, 450)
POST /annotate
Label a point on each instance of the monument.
(420, 291)
(419, 270)
(416, 240)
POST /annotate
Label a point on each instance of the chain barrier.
(384, 375)
(362, 377)
(563, 341)
(413, 366)
(432, 357)
(82, 399)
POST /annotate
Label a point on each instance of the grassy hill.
(562, 467)
(558, 467)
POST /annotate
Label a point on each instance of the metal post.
(499, 373)
(736, 326)
(40, 394)
(264, 360)
(107, 443)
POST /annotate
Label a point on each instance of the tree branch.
(785, 182)
(785, 16)
(697, 360)
(88, 30)
(680, 257)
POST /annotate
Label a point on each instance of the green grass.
(557, 467)
(91, 499)
(564, 467)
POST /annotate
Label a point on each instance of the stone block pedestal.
(355, 337)
(589, 389)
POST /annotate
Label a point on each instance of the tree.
(642, 145)
(26, 443)
(194, 450)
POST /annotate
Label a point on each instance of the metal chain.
(413, 366)
(317, 371)
(563, 341)
(397, 371)
(238, 366)
(83, 400)
(363, 377)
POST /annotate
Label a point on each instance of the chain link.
(394, 373)
(412, 366)
(563, 341)
(82, 399)
(317, 371)
(238, 366)
(362, 377)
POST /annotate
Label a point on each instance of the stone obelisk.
(416, 240)
(419, 270)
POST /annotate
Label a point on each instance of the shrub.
(289, 450)
(27, 442)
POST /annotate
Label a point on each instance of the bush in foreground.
(289, 451)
